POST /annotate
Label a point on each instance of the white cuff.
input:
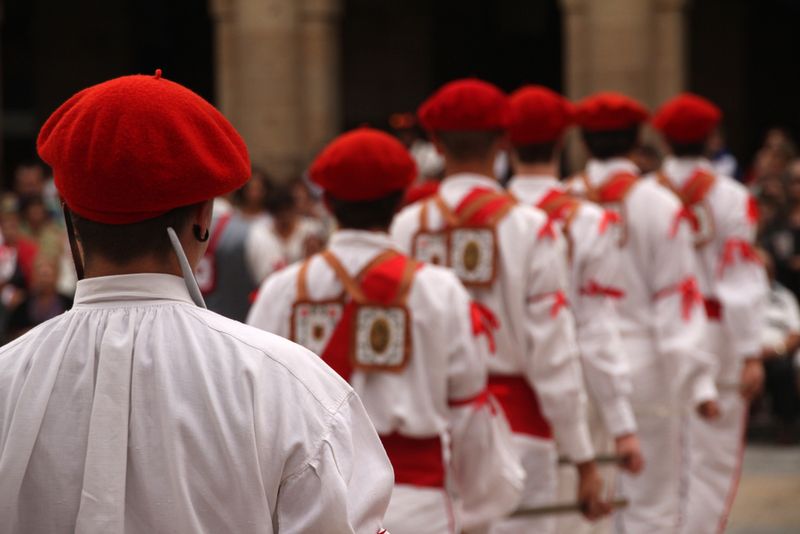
(574, 440)
(704, 389)
(618, 416)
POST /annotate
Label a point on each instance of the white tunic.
(593, 267)
(137, 411)
(654, 263)
(740, 284)
(532, 341)
(447, 364)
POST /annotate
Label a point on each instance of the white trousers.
(419, 510)
(715, 449)
(575, 523)
(654, 493)
(539, 458)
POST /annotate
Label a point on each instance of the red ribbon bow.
(690, 295)
(686, 214)
(733, 245)
(478, 401)
(484, 322)
(594, 289)
(609, 217)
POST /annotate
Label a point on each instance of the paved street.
(769, 494)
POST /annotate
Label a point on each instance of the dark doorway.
(52, 49)
(396, 52)
(742, 56)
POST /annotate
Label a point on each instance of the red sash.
(416, 461)
(483, 207)
(520, 405)
(558, 205)
(381, 282)
(613, 190)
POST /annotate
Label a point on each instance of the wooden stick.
(600, 459)
(563, 508)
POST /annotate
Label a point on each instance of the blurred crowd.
(268, 224)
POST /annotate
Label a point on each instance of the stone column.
(320, 74)
(632, 46)
(277, 68)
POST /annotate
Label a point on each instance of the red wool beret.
(687, 118)
(465, 105)
(538, 115)
(363, 164)
(609, 111)
(136, 147)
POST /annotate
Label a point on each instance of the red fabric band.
(416, 461)
(521, 405)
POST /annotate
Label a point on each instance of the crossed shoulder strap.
(480, 207)
(361, 291)
(613, 190)
(694, 190)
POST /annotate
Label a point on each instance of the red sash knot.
(484, 323)
(594, 289)
(559, 301)
(734, 246)
(689, 293)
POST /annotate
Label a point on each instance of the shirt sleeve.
(262, 252)
(552, 366)
(741, 284)
(605, 364)
(486, 472)
(272, 308)
(345, 487)
(678, 312)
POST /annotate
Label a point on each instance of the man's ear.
(203, 214)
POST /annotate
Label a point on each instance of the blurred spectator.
(647, 158)
(38, 225)
(722, 160)
(299, 236)
(310, 204)
(251, 199)
(43, 301)
(781, 341)
(241, 253)
(430, 164)
(30, 179)
(12, 236)
(781, 235)
(773, 158)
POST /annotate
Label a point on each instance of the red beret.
(687, 118)
(465, 105)
(538, 115)
(136, 147)
(609, 111)
(363, 164)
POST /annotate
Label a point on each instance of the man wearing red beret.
(660, 314)
(140, 411)
(408, 339)
(539, 118)
(723, 219)
(514, 265)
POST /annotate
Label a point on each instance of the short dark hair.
(363, 215)
(469, 145)
(611, 143)
(688, 149)
(536, 152)
(123, 243)
(280, 197)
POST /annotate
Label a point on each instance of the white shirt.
(740, 284)
(531, 341)
(654, 262)
(137, 411)
(447, 363)
(782, 317)
(594, 263)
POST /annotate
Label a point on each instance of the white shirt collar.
(115, 289)
(598, 171)
(456, 186)
(679, 170)
(363, 239)
(531, 188)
